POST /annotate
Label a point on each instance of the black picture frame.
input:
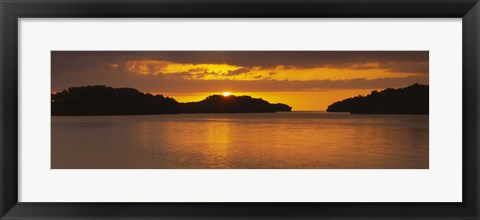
(12, 10)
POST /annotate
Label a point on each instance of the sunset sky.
(305, 80)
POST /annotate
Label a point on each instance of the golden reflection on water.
(271, 140)
(218, 137)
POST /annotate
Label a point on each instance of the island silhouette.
(104, 100)
(409, 100)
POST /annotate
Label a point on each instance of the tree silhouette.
(410, 100)
(232, 104)
(103, 100)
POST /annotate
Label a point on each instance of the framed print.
(226, 109)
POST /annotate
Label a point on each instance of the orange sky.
(309, 101)
(305, 80)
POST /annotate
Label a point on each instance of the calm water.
(264, 140)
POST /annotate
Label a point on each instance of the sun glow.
(226, 94)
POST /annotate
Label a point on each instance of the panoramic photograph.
(239, 110)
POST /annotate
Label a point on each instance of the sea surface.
(290, 140)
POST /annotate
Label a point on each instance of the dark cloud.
(173, 84)
(397, 61)
(237, 71)
(76, 68)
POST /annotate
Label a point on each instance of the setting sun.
(226, 94)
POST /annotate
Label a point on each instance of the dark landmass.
(409, 100)
(232, 104)
(103, 100)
